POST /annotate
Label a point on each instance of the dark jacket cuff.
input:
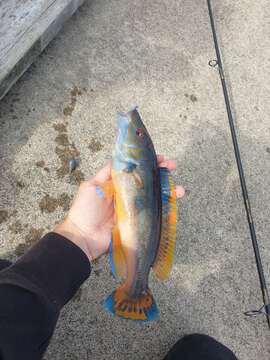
(54, 267)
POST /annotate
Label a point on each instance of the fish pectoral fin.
(138, 180)
(105, 190)
(164, 259)
(131, 169)
(117, 256)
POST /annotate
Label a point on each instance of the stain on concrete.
(65, 150)
(62, 139)
(16, 227)
(97, 272)
(78, 176)
(32, 236)
(49, 203)
(192, 97)
(66, 153)
(95, 145)
(95, 261)
(40, 163)
(268, 150)
(3, 216)
(64, 201)
(75, 91)
(61, 127)
(68, 110)
(20, 184)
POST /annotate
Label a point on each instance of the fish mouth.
(124, 119)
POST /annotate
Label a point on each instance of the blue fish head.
(133, 144)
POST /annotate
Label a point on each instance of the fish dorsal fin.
(164, 259)
(117, 256)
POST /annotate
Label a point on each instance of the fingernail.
(99, 192)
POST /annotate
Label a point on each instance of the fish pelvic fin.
(164, 259)
(141, 309)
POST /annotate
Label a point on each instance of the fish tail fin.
(143, 308)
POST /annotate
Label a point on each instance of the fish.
(144, 235)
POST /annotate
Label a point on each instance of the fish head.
(134, 144)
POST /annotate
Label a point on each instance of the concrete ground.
(110, 56)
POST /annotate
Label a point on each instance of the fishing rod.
(265, 309)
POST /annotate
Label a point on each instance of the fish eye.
(139, 132)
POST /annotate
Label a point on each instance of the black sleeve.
(32, 292)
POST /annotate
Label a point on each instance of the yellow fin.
(117, 256)
(164, 259)
(107, 189)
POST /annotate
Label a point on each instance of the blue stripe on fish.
(165, 189)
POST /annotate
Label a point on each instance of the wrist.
(71, 231)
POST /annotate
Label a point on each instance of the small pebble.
(72, 164)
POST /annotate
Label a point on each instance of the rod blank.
(265, 293)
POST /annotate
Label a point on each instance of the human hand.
(90, 220)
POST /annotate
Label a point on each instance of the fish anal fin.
(117, 256)
(164, 259)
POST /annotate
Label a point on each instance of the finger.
(104, 174)
(160, 158)
(170, 164)
(180, 191)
